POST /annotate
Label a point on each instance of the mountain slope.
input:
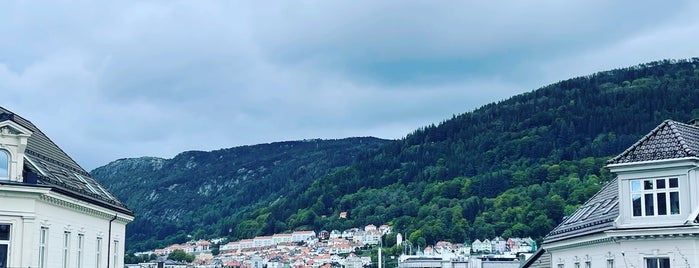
(515, 167)
(204, 191)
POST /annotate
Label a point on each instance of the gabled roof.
(52, 167)
(596, 215)
(669, 140)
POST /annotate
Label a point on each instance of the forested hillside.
(203, 194)
(515, 167)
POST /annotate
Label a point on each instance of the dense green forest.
(512, 168)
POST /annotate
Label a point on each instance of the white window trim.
(6, 175)
(654, 192)
(43, 246)
(8, 242)
(98, 253)
(66, 249)
(657, 259)
(81, 251)
(115, 256)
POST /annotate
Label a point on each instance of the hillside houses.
(296, 249)
(498, 245)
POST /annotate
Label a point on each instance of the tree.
(181, 256)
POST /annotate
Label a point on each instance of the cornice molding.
(616, 236)
(77, 207)
(562, 246)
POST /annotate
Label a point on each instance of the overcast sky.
(115, 79)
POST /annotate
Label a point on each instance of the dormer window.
(4, 165)
(651, 197)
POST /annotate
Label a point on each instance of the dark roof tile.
(669, 140)
(597, 214)
(55, 168)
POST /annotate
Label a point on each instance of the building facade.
(52, 212)
(646, 217)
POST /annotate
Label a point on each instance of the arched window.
(4, 165)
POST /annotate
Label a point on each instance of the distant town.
(310, 249)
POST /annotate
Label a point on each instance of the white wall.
(28, 213)
(680, 251)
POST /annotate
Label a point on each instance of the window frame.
(66, 249)
(655, 197)
(98, 253)
(5, 176)
(43, 246)
(657, 260)
(81, 251)
(115, 253)
(7, 242)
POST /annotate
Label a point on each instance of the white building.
(303, 236)
(646, 217)
(263, 241)
(52, 212)
(281, 238)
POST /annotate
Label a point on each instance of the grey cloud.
(114, 79)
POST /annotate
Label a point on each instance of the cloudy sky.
(115, 79)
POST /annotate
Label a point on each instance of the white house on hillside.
(646, 217)
(52, 212)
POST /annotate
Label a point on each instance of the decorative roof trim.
(122, 218)
(645, 165)
(604, 240)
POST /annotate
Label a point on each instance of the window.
(66, 249)
(98, 253)
(4, 244)
(4, 165)
(43, 242)
(650, 197)
(657, 262)
(115, 256)
(81, 244)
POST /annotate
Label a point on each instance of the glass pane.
(673, 183)
(636, 201)
(43, 236)
(662, 204)
(3, 256)
(4, 161)
(652, 263)
(660, 183)
(664, 262)
(635, 186)
(648, 185)
(649, 205)
(4, 232)
(675, 203)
